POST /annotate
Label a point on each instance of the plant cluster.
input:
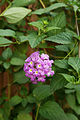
(33, 91)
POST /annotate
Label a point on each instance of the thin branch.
(43, 5)
(77, 28)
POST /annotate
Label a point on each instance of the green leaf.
(52, 0)
(16, 61)
(31, 99)
(61, 63)
(52, 111)
(7, 32)
(71, 116)
(4, 41)
(41, 92)
(15, 14)
(70, 86)
(52, 28)
(38, 24)
(59, 20)
(6, 65)
(19, 3)
(57, 83)
(74, 34)
(22, 38)
(73, 86)
(74, 62)
(34, 39)
(15, 100)
(62, 48)
(69, 91)
(1, 117)
(20, 77)
(69, 78)
(1, 62)
(24, 116)
(48, 9)
(72, 103)
(75, 8)
(7, 53)
(23, 91)
(24, 102)
(62, 38)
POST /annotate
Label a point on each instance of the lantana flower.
(37, 67)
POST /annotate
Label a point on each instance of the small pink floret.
(37, 67)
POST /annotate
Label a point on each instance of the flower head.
(37, 67)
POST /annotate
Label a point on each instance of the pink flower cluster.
(37, 67)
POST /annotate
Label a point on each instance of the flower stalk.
(37, 112)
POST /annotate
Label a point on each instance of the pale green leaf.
(38, 24)
(16, 61)
(23, 39)
(48, 9)
(75, 8)
(6, 65)
(19, 3)
(52, 28)
(7, 32)
(4, 41)
(15, 14)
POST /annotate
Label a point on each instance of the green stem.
(77, 28)
(37, 112)
(70, 51)
(6, 9)
(42, 3)
(9, 86)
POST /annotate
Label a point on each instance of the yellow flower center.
(30, 70)
(31, 62)
(39, 65)
(36, 72)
